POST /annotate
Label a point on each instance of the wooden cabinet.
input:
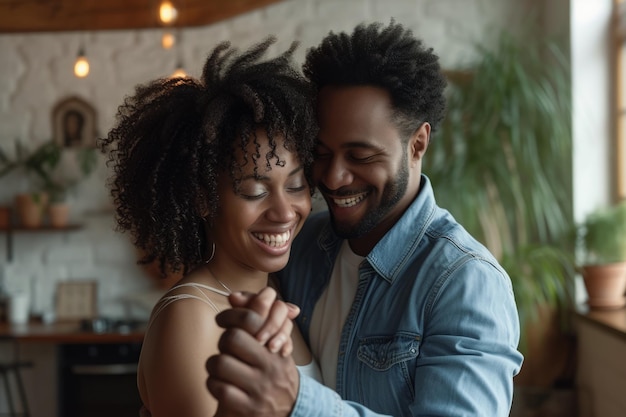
(42, 344)
(601, 374)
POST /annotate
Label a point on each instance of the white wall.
(36, 72)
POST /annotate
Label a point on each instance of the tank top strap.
(200, 295)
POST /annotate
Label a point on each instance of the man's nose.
(334, 174)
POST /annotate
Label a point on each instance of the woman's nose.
(281, 208)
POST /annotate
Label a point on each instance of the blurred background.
(533, 143)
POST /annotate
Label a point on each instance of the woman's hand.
(264, 316)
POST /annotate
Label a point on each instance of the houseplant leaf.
(501, 164)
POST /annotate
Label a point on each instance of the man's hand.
(263, 316)
(248, 380)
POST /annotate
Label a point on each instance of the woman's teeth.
(274, 240)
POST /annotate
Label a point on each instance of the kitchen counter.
(611, 320)
(89, 366)
(66, 333)
(601, 369)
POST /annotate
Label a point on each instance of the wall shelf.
(42, 229)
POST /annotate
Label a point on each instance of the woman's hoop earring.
(212, 254)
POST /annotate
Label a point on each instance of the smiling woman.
(64, 15)
(212, 179)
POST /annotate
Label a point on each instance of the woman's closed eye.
(253, 192)
(297, 184)
(298, 188)
(260, 190)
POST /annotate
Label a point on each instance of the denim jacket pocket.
(382, 352)
(386, 371)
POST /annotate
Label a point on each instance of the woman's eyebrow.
(266, 178)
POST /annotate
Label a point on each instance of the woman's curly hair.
(174, 136)
(390, 58)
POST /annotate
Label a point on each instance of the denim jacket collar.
(390, 254)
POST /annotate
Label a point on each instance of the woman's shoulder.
(187, 309)
(181, 335)
(192, 287)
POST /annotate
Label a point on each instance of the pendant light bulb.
(167, 12)
(81, 66)
(168, 40)
(179, 72)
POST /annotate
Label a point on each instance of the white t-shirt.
(312, 370)
(331, 310)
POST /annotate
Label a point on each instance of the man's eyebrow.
(266, 178)
(355, 144)
(360, 144)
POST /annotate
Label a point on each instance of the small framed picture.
(76, 300)
(74, 123)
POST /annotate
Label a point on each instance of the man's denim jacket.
(433, 329)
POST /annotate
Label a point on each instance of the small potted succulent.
(603, 239)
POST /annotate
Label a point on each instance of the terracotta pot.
(30, 209)
(606, 285)
(59, 214)
(5, 217)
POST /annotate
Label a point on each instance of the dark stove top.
(110, 325)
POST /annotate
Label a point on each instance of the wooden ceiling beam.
(80, 15)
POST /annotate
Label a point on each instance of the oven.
(98, 379)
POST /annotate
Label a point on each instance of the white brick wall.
(36, 72)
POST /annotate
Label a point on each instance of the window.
(620, 93)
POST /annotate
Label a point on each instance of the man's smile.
(346, 202)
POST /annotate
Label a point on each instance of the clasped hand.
(254, 375)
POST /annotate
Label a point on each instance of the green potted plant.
(52, 172)
(6, 163)
(59, 174)
(501, 163)
(31, 202)
(603, 239)
(58, 171)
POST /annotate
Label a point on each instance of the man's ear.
(418, 143)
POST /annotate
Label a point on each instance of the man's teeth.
(349, 202)
(275, 240)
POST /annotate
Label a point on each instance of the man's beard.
(392, 194)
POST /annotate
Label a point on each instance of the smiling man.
(407, 314)
(362, 163)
